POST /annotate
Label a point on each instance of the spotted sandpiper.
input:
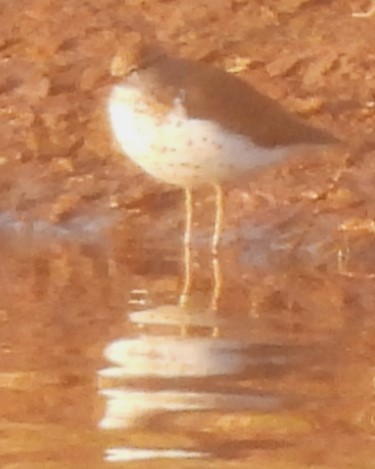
(189, 123)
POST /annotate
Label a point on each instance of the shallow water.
(266, 361)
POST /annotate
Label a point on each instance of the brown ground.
(63, 298)
(57, 159)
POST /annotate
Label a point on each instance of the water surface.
(267, 361)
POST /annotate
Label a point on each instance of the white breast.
(178, 149)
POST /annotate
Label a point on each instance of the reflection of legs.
(218, 218)
(187, 248)
(216, 271)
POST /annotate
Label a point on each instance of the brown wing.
(213, 94)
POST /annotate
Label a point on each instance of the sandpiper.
(189, 124)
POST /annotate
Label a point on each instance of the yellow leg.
(189, 216)
(218, 218)
(217, 284)
(216, 291)
(184, 296)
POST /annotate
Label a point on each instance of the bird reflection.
(167, 349)
(190, 359)
(178, 358)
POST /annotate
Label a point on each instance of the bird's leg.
(216, 290)
(217, 277)
(218, 218)
(189, 216)
(217, 284)
(184, 296)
